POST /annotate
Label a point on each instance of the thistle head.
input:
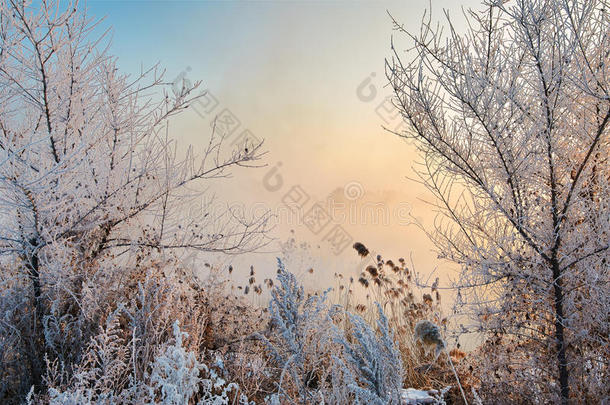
(429, 335)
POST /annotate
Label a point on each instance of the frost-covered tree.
(511, 118)
(91, 183)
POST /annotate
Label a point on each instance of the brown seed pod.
(361, 249)
(372, 270)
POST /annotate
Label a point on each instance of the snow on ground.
(411, 396)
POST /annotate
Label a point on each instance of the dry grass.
(222, 321)
(391, 283)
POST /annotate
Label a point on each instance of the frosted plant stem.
(456, 377)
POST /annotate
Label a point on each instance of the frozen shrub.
(102, 375)
(323, 358)
(372, 361)
(300, 339)
(176, 374)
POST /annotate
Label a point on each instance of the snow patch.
(411, 396)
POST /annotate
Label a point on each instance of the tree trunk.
(560, 334)
(36, 342)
